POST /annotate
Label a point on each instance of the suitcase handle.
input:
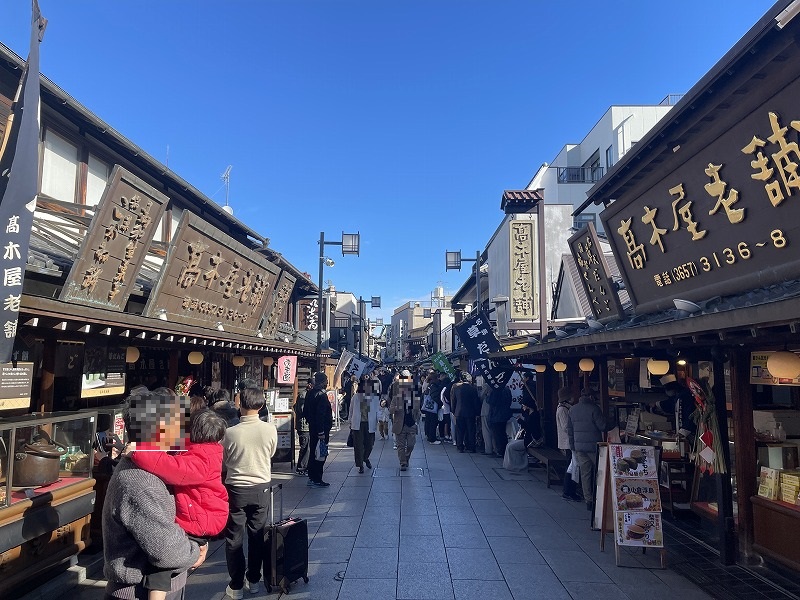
(272, 502)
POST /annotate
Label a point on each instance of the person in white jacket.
(565, 401)
(364, 420)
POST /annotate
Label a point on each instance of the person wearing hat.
(585, 427)
(405, 412)
(565, 401)
(679, 404)
(317, 411)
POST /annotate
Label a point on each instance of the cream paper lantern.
(586, 365)
(559, 367)
(268, 361)
(131, 354)
(540, 368)
(238, 361)
(784, 365)
(658, 367)
(195, 358)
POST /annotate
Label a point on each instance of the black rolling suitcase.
(286, 548)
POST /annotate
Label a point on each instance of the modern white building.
(577, 167)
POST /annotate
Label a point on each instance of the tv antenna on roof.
(226, 177)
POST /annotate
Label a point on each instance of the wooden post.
(172, 377)
(744, 446)
(44, 403)
(725, 521)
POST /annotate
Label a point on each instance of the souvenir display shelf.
(45, 525)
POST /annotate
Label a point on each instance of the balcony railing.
(580, 174)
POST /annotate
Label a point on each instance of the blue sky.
(402, 119)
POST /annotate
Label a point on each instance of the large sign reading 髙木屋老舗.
(116, 243)
(524, 304)
(209, 278)
(727, 219)
(597, 284)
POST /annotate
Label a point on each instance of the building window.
(580, 220)
(96, 179)
(59, 168)
(609, 157)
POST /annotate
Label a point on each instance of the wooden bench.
(555, 463)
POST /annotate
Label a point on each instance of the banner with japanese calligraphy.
(720, 215)
(276, 311)
(211, 280)
(442, 364)
(287, 370)
(19, 185)
(116, 243)
(309, 316)
(479, 339)
(595, 278)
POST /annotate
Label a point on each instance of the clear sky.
(402, 119)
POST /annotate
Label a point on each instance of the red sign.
(287, 369)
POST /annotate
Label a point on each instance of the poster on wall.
(760, 375)
(15, 385)
(103, 371)
(616, 378)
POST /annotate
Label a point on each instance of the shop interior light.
(268, 361)
(784, 365)
(586, 365)
(540, 368)
(238, 361)
(195, 358)
(131, 354)
(559, 367)
(658, 367)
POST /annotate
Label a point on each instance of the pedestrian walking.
(248, 450)
(383, 419)
(446, 424)
(301, 426)
(362, 423)
(432, 388)
(405, 412)
(317, 411)
(465, 405)
(585, 427)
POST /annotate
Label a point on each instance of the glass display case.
(42, 453)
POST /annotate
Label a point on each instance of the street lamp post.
(350, 244)
(375, 302)
(453, 262)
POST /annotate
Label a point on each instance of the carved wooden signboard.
(523, 261)
(283, 292)
(211, 280)
(597, 284)
(116, 243)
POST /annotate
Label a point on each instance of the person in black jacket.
(301, 426)
(499, 413)
(317, 411)
(466, 407)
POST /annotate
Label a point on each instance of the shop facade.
(133, 278)
(703, 223)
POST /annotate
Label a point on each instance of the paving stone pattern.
(455, 526)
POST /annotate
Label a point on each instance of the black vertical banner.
(19, 175)
(478, 337)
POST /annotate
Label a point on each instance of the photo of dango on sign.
(633, 494)
(632, 461)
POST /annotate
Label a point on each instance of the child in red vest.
(195, 476)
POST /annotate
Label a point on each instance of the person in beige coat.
(405, 412)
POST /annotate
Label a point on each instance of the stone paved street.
(453, 527)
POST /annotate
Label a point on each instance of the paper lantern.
(559, 367)
(658, 367)
(131, 354)
(784, 365)
(268, 361)
(238, 361)
(586, 365)
(195, 358)
(540, 368)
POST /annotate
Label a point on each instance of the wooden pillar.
(744, 447)
(725, 521)
(172, 378)
(47, 390)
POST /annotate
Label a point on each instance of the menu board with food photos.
(637, 501)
